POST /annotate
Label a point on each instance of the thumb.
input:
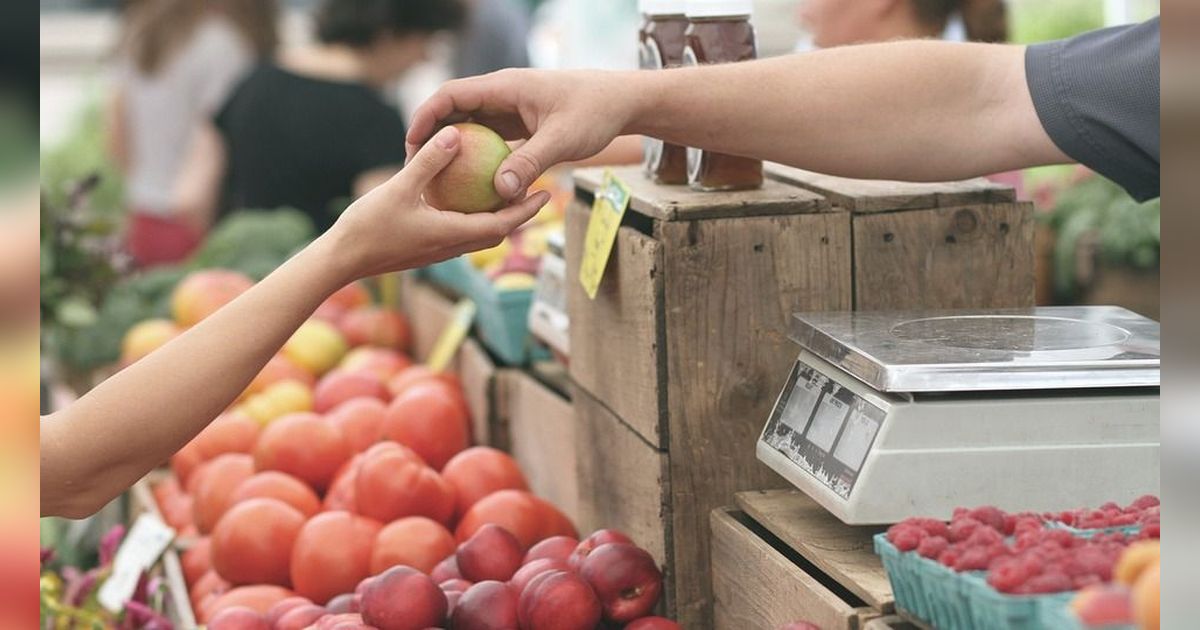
(430, 159)
(527, 162)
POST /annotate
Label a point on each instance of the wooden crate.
(965, 244)
(779, 557)
(540, 425)
(679, 357)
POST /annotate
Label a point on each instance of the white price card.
(141, 548)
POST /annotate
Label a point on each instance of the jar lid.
(662, 7)
(717, 8)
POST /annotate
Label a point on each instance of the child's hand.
(392, 228)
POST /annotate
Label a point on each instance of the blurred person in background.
(178, 60)
(494, 36)
(311, 129)
(832, 23)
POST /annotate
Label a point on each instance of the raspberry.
(932, 546)
(1030, 563)
(962, 528)
(909, 538)
(974, 559)
(1090, 560)
(1145, 501)
(984, 537)
(1010, 524)
(990, 516)
(1063, 537)
(949, 557)
(1049, 583)
(1084, 581)
(895, 530)
(1149, 531)
(1110, 507)
(1122, 520)
(998, 550)
(1006, 575)
(1028, 539)
(959, 512)
(932, 526)
(1027, 524)
(1066, 518)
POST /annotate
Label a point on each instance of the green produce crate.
(456, 274)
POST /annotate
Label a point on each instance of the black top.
(301, 142)
(1097, 96)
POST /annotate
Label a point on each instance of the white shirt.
(162, 110)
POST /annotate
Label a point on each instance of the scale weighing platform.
(889, 415)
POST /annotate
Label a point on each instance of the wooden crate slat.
(878, 195)
(623, 482)
(732, 286)
(616, 342)
(757, 587)
(541, 426)
(945, 258)
(477, 373)
(680, 203)
(842, 551)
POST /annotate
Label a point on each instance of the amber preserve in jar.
(719, 31)
(660, 45)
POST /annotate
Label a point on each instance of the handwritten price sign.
(611, 201)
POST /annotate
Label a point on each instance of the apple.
(597, 538)
(625, 578)
(454, 584)
(555, 547)
(300, 617)
(341, 604)
(282, 607)
(527, 573)
(491, 553)
(465, 185)
(238, 618)
(488, 605)
(558, 600)
(446, 570)
(403, 598)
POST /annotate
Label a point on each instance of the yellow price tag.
(607, 210)
(452, 335)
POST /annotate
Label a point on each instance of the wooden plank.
(945, 258)
(478, 375)
(731, 287)
(844, 552)
(616, 339)
(680, 203)
(541, 428)
(879, 195)
(623, 483)
(755, 586)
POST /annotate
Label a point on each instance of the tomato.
(360, 421)
(196, 560)
(209, 584)
(415, 541)
(341, 491)
(214, 491)
(178, 511)
(273, 484)
(428, 419)
(418, 374)
(352, 295)
(332, 554)
(166, 490)
(480, 471)
(375, 326)
(392, 485)
(525, 516)
(304, 446)
(185, 461)
(252, 543)
(381, 362)
(338, 387)
(277, 370)
(258, 597)
(231, 432)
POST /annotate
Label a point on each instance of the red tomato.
(339, 386)
(391, 485)
(258, 597)
(304, 446)
(375, 326)
(352, 295)
(209, 584)
(332, 554)
(341, 491)
(252, 543)
(525, 516)
(272, 484)
(231, 432)
(185, 461)
(480, 471)
(360, 421)
(196, 560)
(214, 491)
(416, 541)
(277, 370)
(429, 420)
(382, 362)
(419, 374)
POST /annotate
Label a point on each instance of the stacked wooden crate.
(676, 362)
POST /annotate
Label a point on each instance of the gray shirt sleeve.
(1097, 96)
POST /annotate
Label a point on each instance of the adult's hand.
(565, 115)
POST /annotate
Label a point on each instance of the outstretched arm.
(915, 110)
(104, 442)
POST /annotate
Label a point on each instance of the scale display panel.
(823, 428)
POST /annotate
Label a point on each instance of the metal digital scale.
(890, 415)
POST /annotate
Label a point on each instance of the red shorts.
(157, 240)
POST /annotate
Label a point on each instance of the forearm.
(136, 419)
(915, 110)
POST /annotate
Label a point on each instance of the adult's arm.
(96, 448)
(915, 110)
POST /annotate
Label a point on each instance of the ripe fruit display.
(425, 418)
(415, 541)
(558, 600)
(303, 445)
(491, 553)
(376, 326)
(259, 598)
(403, 598)
(332, 554)
(466, 184)
(625, 578)
(316, 346)
(273, 484)
(392, 484)
(381, 362)
(146, 337)
(215, 488)
(480, 471)
(202, 293)
(277, 370)
(488, 605)
(360, 420)
(337, 387)
(252, 543)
